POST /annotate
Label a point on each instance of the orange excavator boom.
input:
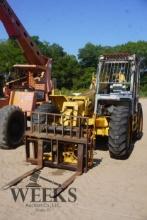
(17, 31)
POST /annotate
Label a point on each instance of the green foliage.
(71, 73)
(143, 89)
(53, 51)
(83, 79)
(65, 71)
(10, 54)
(65, 67)
(139, 48)
(88, 56)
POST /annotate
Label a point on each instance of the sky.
(73, 23)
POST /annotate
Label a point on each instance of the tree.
(10, 54)
(65, 71)
(84, 77)
(88, 55)
(53, 51)
(69, 71)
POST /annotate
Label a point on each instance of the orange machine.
(36, 74)
(30, 89)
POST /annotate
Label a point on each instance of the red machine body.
(37, 75)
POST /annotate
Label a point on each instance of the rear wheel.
(120, 132)
(44, 108)
(12, 127)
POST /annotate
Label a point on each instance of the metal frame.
(53, 132)
(127, 96)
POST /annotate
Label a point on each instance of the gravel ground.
(112, 190)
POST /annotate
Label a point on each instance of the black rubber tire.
(139, 132)
(12, 127)
(120, 133)
(44, 108)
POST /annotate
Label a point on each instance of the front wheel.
(120, 132)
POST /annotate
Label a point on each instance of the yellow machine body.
(70, 155)
(101, 126)
(73, 106)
